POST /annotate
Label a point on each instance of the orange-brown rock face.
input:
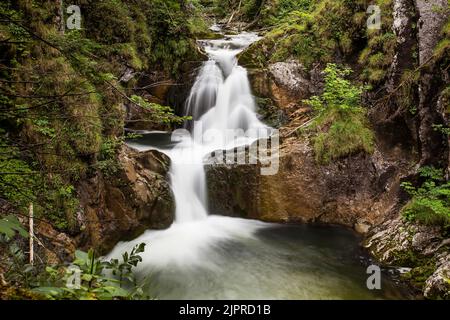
(357, 191)
(136, 198)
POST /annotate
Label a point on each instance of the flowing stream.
(203, 256)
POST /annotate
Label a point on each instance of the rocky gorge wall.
(121, 207)
(361, 191)
(355, 192)
(114, 208)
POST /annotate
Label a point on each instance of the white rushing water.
(220, 100)
(202, 256)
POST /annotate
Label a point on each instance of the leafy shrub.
(16, 178)
(340, 124)
(98, 280)
(157, 112)
(430, 203)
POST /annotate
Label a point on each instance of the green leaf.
(10, 225)
(87, 277)
(81, 258)
(51, 291)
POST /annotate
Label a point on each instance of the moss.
(406, 97)
(311, 34)
(58, 98)
(378, 55)
(340, 126)
(417, 276)
(443, 47)
(408, 258)
(345, 136)
(108, 22)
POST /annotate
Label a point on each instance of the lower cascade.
(203, 256)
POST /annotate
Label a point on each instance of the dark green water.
(228, 258)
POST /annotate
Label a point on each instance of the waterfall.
(220, 100)
(205, 256)
(204, 92)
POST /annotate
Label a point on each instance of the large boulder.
(120, 207)
(437, 286)
(422, 251)
(356, 191)
(281, 87)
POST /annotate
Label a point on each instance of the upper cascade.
(221, 97)
(220, 100)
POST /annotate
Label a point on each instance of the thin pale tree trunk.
(31, 231)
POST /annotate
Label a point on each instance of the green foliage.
(19, 272)
(340, 124)
(378, 55)
(62, 104)
(267, 12)
(442, 129)
(54, 198)
(107, 160)
(281, 9)
(10, 225)
(94, 281)
(109, 22)
(17, 182)
(406, 97)
(430, 203)
(98, 279)
(309, 31)
(157, 112)
(58, 203)
(42, 126)
(123, 269)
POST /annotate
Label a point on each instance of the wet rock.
(418, 248)
(362, 227)
(357, 190)
(438, 285)
(432, 16)
(281, 88)
(120, 207)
